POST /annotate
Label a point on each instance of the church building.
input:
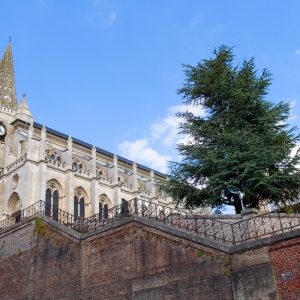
(40, 163)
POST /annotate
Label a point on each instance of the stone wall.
(41, 260)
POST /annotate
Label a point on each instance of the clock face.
(2, 130)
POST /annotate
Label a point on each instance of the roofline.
(99, 150)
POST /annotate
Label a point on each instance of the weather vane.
(9, 38)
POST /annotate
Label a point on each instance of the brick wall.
(285, 258)
(136, 261)
(37, 262)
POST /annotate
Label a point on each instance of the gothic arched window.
(75, 207)
(100, 210)
(81, 208)
(104, 206)
(14, 207)
(105, 211)
(52, 200)
(79, 204)
(55, 205)
(48, 203)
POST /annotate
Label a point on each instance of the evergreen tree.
(242, 144)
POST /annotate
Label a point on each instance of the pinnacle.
(23, 102)
(7, 80)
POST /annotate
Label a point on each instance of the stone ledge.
(264, 241)
(176, 232)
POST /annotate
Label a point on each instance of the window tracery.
(79, 203)
(52, 199)
(54, 159)
(52, 155)
(14, 202)
(78, 167)
(77, 164)
(104, 206)
(102, 175)
(101, 172)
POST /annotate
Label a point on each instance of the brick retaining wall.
(135, 260)
(285, 258)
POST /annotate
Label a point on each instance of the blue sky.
(107, 71)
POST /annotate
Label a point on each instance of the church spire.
(7, 80)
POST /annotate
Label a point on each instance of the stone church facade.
(39, 163)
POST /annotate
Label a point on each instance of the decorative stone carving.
(54, 159)
(15, 181)
(76, 164)
(77, 167)
(80, 193)
(53, 186)
(52, 155)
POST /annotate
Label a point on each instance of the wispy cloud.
(157, 149)
(293, 103)
(166, 130)
(297, 52)
(293, 115)
(141, 151)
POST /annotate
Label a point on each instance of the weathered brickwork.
(40, 265)
(285, 258)
(135, 261)
(142, 263)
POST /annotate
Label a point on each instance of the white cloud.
(166, 129)
(293, 116)
(293, 103)
(140, 151)
(295, 150)
(297, 52)
(164, 136)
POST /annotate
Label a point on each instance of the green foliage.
(200, 253)
(243, 141)
(40, 226)
(20, 251)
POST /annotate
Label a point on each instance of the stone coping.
(81, 237)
